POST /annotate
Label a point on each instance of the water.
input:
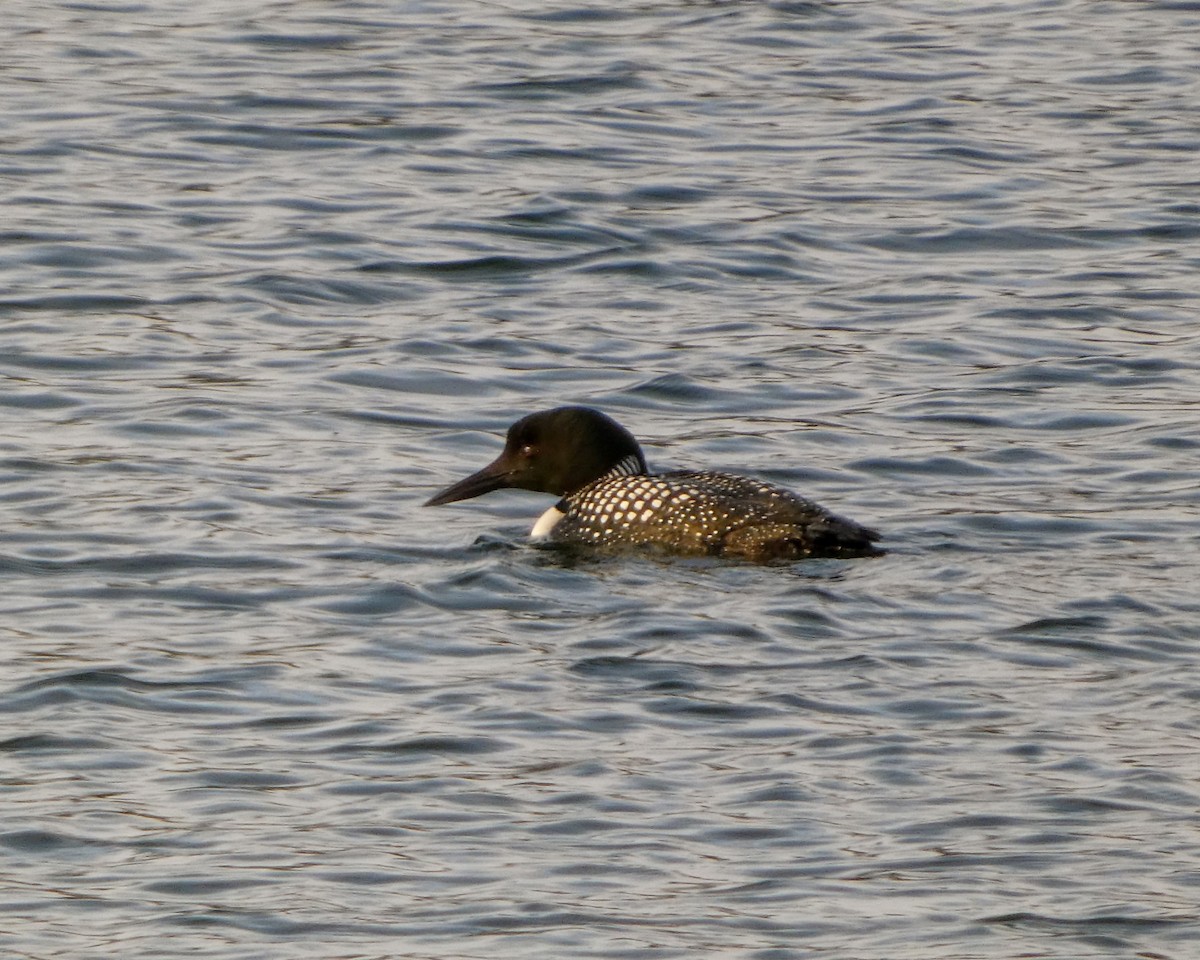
(273, 274)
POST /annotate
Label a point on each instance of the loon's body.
(610, 499)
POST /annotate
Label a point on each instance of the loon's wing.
(774, 523)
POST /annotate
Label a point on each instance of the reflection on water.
(273, 276)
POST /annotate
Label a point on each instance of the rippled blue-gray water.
(272, 274)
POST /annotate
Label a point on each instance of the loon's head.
(556, 452)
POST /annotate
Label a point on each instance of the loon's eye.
(528, 451)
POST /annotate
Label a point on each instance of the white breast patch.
(545, 523)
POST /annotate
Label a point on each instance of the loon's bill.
(610, 499)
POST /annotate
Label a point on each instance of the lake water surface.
(272, 274)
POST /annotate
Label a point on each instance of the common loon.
(609, 498)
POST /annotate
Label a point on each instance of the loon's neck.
(631, 465)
